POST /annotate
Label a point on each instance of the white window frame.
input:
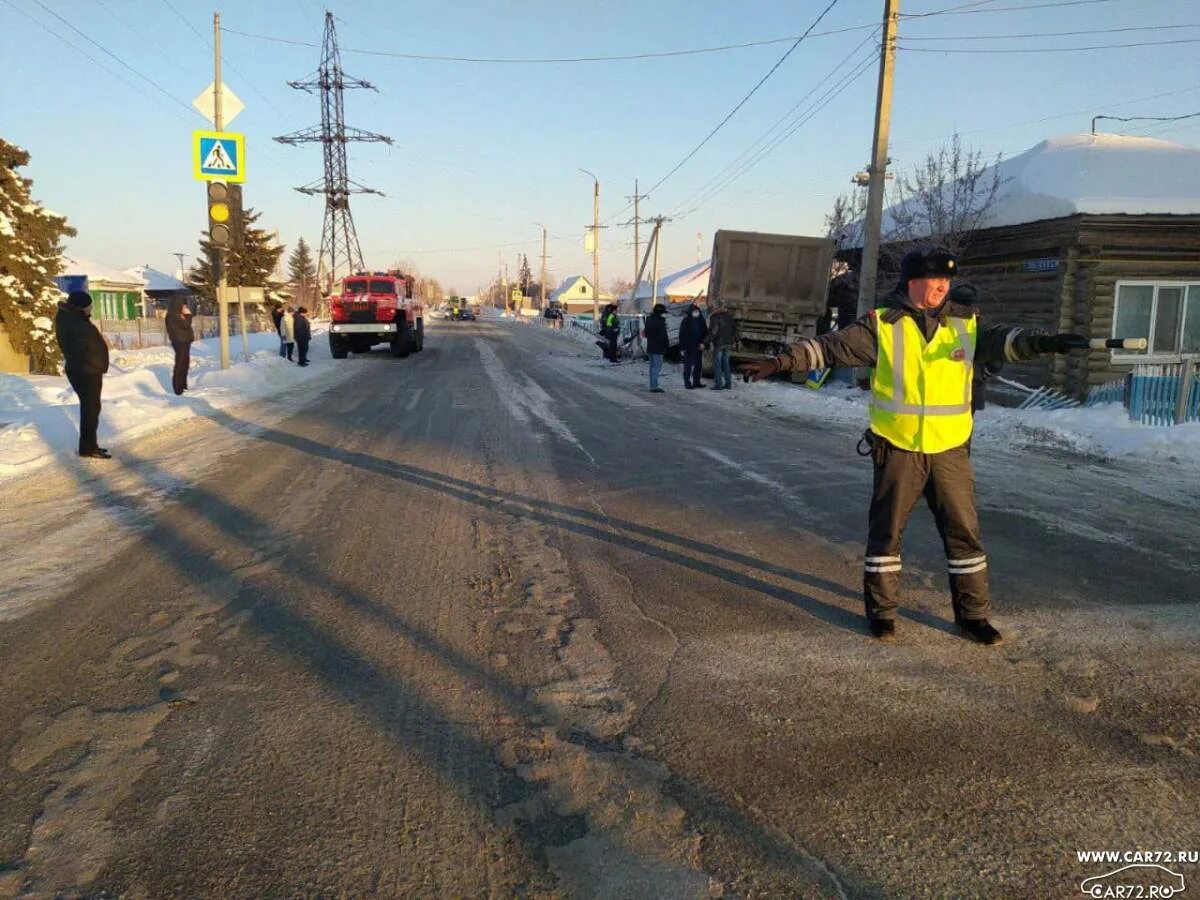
(1127, 358)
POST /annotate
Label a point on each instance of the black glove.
(1057, 343)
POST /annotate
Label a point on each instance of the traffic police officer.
(923, 348)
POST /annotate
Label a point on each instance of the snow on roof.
(156, 280)
(1100, 174)
(78, 265)
(684, 284)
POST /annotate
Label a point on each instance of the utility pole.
(180, 256)
(218, 260)
(637, 221)
(595, 229)
(877, 172)
(658, 221)
(542, 292)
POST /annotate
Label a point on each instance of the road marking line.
(415, 399)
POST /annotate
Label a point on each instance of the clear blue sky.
(483, 151)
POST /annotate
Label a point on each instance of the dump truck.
(774, 285)
(372, 308)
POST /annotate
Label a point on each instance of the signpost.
(219, 156)
(206, 103)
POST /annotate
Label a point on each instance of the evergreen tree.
(29, 260)
(302, 272)
(524, 276)
(250, 261)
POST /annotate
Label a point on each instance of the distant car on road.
(466, 313)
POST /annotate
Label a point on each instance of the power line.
(960, 11)
(150, 81)
(1050, 49)
(827, 98)
(115, 74)
(1044, 34)
(534, 60)
(740, 103)
(766, 136)
(208, 43)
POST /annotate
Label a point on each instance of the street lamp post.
(595, 229)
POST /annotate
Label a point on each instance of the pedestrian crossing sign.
(219, 156)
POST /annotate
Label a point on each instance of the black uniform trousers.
(693, 364)
(947, 482)
(183, 359)
(87, 388)
(302, 350)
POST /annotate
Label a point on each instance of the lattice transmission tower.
(340, 250)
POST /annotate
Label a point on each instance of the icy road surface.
(494, 621)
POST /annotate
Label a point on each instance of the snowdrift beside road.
(39, 414)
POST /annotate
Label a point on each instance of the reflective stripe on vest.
(921, 392)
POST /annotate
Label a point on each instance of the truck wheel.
(420, 342)
(402, 343)
(338, 347)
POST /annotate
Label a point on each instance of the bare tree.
(945, 199)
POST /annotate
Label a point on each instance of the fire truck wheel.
(403, 342)
(420, 342)
(338, 349)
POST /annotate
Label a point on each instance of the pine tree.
(29, 260)
(302, 272)
(250, 261)
(524, 276)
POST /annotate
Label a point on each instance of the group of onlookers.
(695, 335)
(295, 331)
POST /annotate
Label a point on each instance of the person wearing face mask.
(923, 347)
(692, 332)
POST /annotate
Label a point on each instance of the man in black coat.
(302, 329)
(85, 360)
(657, 344)
(692, 332)
(181, 335)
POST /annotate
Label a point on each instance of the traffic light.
(224, 213)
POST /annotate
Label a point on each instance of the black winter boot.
(979, 630)
(883, 629)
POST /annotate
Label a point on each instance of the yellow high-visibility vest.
(921, 392)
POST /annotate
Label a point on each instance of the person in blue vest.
(923, 347)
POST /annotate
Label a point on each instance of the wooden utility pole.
(595, 230)
(218, 260)
(637, 198)
(877, 172)
(543, 279)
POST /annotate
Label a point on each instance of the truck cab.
(369, 308)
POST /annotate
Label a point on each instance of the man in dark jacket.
(181, 335)
(303, 331)
(692, 333)
(720, 337)
(657, 343)
(923, 348)
(277, 319)
(85, 360)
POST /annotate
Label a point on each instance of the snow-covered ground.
(39, 414)
(1102, 431)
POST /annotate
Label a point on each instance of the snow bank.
(39, 414)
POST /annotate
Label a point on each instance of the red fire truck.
(370, 308)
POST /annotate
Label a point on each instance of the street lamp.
(595, 245)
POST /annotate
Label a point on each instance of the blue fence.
(1156, 394)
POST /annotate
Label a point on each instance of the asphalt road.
(493, 621)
